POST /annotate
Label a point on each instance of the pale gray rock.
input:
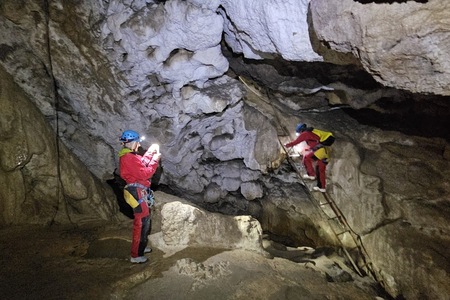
(251, 190)
(239, 143)
(213, 193)
(177, 41)
(264, 29)
(249, 175)
(109, 63)
(22, 25)
(209, 4)
(232, 169)
(186, 225)
(213, 98)
(202, 274)
(364, 189)
(395, 197)
(227, 183)
(400, 44)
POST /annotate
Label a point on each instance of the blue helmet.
(300, 127)
(130, 136)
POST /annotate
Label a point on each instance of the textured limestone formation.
(177, 42)
(136, 66)
(393, 191)
(402, 45)
(218, 142)
(186, 225)
(42, 182)
(265, 29)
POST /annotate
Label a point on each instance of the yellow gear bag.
(323, 135)
(322, 153)
(130, 199)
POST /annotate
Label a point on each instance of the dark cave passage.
(429, 118)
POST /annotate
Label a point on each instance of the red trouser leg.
(321, 180)
(308, 163)
(138, 229)
(145, 231)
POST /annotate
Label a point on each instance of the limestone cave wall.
(75, 74)
(42, 181)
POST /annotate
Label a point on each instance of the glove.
(156, 156)
(154, 148)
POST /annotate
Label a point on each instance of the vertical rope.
(54, 87)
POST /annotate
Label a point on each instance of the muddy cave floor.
(67, 262)
(92, 262)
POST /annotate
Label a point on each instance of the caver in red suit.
(311, 140)
(137, 170)
(317, 141)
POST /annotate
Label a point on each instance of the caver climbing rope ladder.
(345, 235)
(347, 238)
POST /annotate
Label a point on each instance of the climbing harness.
(146, 193)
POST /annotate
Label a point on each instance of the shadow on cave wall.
(309, 73)
(117, 184)
(412, 114)
(425, 116)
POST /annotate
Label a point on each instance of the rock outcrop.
(42, 182)
(399, 203)
(401, 45)
(266, 29)
(186, 225)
